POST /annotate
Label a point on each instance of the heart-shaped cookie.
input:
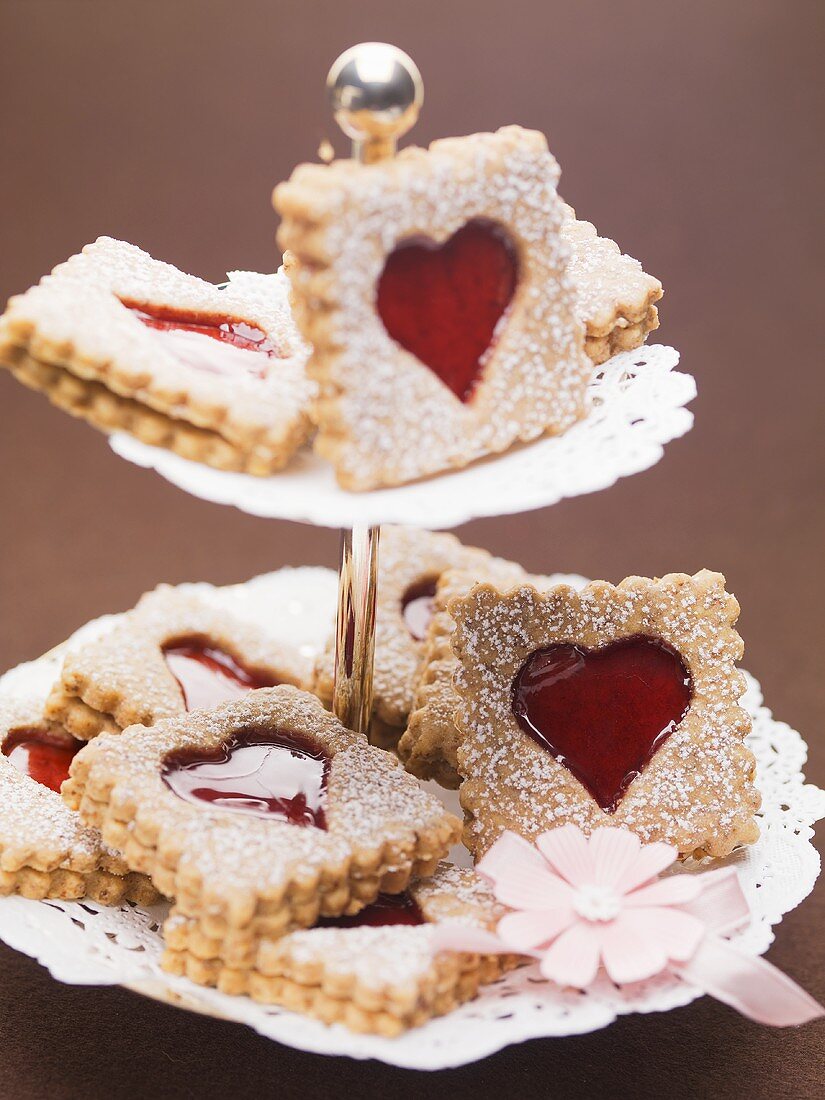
(221, 793)
(443, 303)
(603, 713)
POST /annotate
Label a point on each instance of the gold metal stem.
(357, 581)
(355, 627)
(374, 149)
(376, 93)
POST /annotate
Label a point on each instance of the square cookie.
(615, 705)
(435, 292)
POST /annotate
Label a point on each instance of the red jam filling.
(387, 909)
(256, 772)
(42, 755)
(207, 676)
(209, 343)
(417, 608)
(603, 713)
(443, 303)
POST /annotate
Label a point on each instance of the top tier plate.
(638, 405)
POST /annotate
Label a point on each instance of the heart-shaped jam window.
(208, 676)
(444, 303)
(605, 712)
(255, 772)
(387, 909)
(417, 608)
(218, 345)
(42, 755)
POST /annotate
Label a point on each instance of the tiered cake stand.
(638, 404)
(638, 400)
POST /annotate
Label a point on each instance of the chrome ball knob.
(376, 93)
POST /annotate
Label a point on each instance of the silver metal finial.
(376, 93)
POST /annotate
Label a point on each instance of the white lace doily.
(87, 944)
(638, 405)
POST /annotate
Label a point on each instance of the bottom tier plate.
(83, 943)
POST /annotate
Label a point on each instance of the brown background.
(690, 132)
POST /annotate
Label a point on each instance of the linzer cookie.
(608, 706)
(46, 851)
(410, 564)
(173, 653)
(261, 815)
(428, 745)
(374, 972)
(434, 291)
(615, 298)
(128, 343)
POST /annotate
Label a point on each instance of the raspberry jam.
(387, 909)
(208, 676)
(603, 713)
(417, 608)
(444, 303)
(44, 756)
(263, 773)
(219, 345)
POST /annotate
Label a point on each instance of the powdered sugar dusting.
(611, 288)
(637, 406)
(93, 944)
(125, 675)
(392, 956)
(37, 829)
(377, 958)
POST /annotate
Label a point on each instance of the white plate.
(638, 406)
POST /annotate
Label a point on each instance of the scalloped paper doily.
(87, 944)
(638, 405)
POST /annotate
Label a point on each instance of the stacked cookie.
(377, 973)
(128, 343)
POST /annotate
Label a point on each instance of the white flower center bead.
(597, 903)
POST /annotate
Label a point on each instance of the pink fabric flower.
(580, 903)
(584, 902)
